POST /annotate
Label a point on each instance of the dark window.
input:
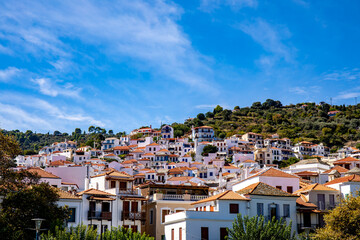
(151, 216)
(279, 187)
(113, 184)
(234, 208)
(286, 210)
(134, 206)
(332, 200)
(164, 213)
(126, 206)
(204, 233)
(105, 207)
(92, 206)
(122, 185)
(223, 233)
(260, 209)
(289, 189)
(72, 214)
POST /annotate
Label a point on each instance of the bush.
(82, 232)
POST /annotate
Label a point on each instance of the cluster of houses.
(169, 189)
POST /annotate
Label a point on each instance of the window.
(234, 208)
(172, 234)
(286, 210)
(289, 189)
(211, 208)
(332, 200)
(164, 212)
(223, 233)
(260, 209)
(122, 185)
(211, 174)
(113, 184)
(72, 214)
(151, 216)
(204, 233)
(279, 187)
(105, 207)
(180, 233)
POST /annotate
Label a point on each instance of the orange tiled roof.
(307, 173)
(337, 168)
(351, 178)
(93, 191)
(42, 173)
(261, 188)
(346, 160)
(316, 187)
(227, 195)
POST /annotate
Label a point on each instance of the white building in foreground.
(212, 216)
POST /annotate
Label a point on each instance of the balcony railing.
(173, 197)
(133, 216)
(197, 197)
(127, 192)
(97, 215)
(326, 205)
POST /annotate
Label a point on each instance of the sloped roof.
(303, 202)
(307, 173)
(316, 187)
(227, 195)
(309, 161)
(273, 172)
(337, 168)
(42, 173)
(93, 191)
(264, 189)
(346, 160)
(350, 178)
(114, 173)
(66, 195)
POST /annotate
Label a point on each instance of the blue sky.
(124, 64)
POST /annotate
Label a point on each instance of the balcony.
(177, 197)
(133, 216)
(326, 205)
(98, 215)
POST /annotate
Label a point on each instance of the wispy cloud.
(351, 93)
(210, 5)
(345, 74)
(305, 90)
(271, 38)
(51, 88)
(147, 33)
(8, 73)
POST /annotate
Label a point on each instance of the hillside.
(303, 121)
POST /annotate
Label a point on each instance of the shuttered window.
(234, 208)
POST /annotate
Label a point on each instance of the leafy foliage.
(245, 228)
(82, 232)
(342, 222)
(209, 149)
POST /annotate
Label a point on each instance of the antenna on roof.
(331, 101)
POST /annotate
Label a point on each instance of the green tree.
(218, 109)
(209, 149)
(209, 115)
(91, 129)
(201, 116)
(342, 222)
(19, 207)
(245, 228)
(111, 132)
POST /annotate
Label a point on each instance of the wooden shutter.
(112, 184)
(234, 208)
(126, 206)
(134, 206)
(180, 233)
(122, 185)
(223, 233)
(204, 233)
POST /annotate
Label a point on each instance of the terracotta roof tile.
(316, 187)
(337, 168)
(93, 191)
(227, 195)
(261, 188)
(350, 178)
(42, 173)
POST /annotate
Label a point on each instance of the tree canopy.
(342, 222)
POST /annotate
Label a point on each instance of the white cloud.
(298, 90)
(8, 73)
(345, 74)
(305, 90)
(205, 106)
(147, 33)
(272, 39)
(50, 88)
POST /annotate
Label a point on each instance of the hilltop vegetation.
(303, 121)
